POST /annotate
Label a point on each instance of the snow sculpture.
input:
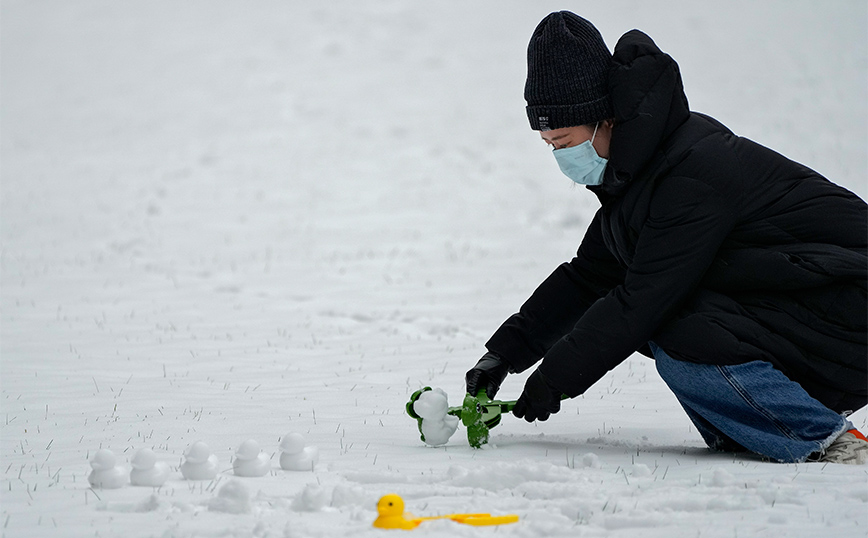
(199, 462)
(437, 427)
(106, 474)
(250, 460)
(295, 456)
(147, 471)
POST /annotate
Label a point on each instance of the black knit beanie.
(567, 65)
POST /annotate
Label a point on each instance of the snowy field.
(225, 221)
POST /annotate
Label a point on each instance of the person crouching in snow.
(741, 272)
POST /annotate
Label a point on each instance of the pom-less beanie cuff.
(548, 117)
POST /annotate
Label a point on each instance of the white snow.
(228, 220)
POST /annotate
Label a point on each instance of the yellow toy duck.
(392, 516)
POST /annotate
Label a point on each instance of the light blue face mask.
(581, 163)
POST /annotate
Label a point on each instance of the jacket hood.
(649, 104)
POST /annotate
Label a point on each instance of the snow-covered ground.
(234, 220)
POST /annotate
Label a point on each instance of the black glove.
(539, 400)
(488, 374)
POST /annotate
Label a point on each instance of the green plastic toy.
(478, 414)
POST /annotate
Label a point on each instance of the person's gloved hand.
(539, 400)
(488, 374)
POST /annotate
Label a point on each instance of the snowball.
(591, 460)
(233, 498)
(311, 499)
(151, 504)
(722, 478)
(456, 472)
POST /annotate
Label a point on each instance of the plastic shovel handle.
(481, 520)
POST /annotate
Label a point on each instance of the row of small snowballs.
(199, 463)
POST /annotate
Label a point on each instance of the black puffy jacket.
(716, 248)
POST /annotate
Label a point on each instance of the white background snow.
(233, 220)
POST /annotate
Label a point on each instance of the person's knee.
(668, 368)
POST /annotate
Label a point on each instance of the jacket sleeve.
(558, 303)
(688, 221)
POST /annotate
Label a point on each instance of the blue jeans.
(751, 406)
